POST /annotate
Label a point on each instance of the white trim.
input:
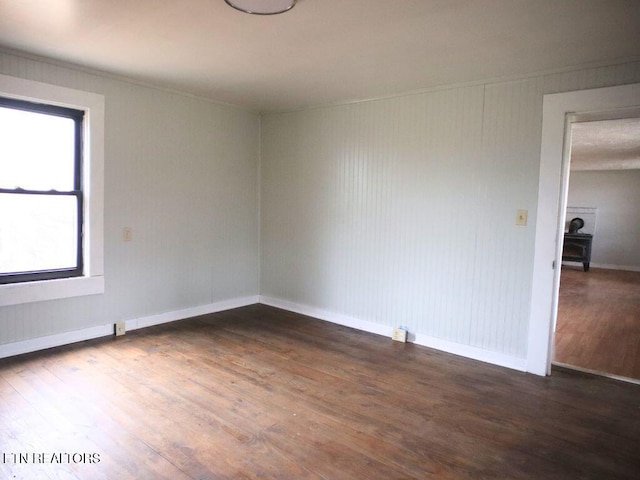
(552, 192)
(93, 179)
(475, 353)
(41, 343)
(166, 317)
(609, 266)
(605, 266)
(596, 372)
(50, 341)
(18, 293)
(468, 84)
(435, 88)
(32, 345)
(326, 315)
(141, 83)
(467, 351)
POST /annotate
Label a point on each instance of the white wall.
(616, 194)
(402, 211)
(183, 173)
(392, 212)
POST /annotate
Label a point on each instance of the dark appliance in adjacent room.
(577, 246)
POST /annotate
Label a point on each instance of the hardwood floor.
(262, 393)
(598, 324)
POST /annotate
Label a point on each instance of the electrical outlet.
(399, 335)
(119, 328)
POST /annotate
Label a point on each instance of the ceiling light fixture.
(262, 7)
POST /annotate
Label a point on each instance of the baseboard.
(166, 317)
(466, 351)
(328, 316)
(475, 353)
(566, 366)
(66, 338)
(41, 343)
(607, 266)
(50, 341)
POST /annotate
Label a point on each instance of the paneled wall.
(398, 211)
(183, 174)
(616, 195)
(402, 211)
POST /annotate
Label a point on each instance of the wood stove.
(577, 246)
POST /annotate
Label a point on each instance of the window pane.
(37, 232)
(36, 150)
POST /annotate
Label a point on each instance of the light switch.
(127, 234)
(521, 217)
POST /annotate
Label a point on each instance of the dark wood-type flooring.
(598, 325)
(258, 392)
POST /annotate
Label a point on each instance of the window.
(51, 192)
(40, 191)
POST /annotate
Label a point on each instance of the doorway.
(559, 111)
(598, 322)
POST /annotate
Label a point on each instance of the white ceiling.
(322, 51)
(606, 145)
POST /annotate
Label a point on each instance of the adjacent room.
(313, 239)
(599, 303)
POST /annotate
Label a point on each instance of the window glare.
(37, 232)
(46, 164)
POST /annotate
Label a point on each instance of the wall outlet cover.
(119, 328)
(399, 335)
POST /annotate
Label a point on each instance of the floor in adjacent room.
(598, 325)
(258, 392)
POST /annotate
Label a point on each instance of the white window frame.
(92, 281)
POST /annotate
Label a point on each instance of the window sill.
(18, 293)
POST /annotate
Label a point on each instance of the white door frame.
(557, 111)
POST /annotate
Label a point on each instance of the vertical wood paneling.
(394, 198)
(397, 211)
(511, 132)
(402, 211)
(183, 173)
